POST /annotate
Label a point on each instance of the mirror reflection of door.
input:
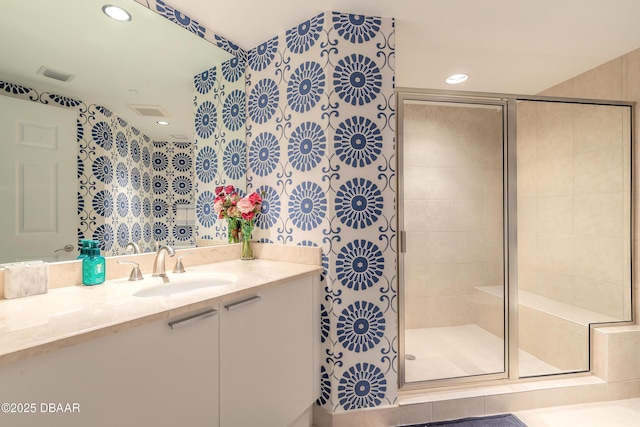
(38, 173)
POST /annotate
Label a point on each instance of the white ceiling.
(511, 46)
(148, 61)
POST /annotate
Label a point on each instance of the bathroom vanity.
(241, 353)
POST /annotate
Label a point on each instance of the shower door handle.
(403, 241)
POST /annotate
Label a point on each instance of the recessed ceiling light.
(162, 122)
(454, 79)
(116, 12)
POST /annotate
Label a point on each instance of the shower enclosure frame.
(510, 235)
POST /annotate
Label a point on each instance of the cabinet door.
(150, 375)
(267, 356)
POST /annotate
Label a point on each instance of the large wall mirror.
(83, 154)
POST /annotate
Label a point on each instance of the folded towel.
(185, 214)
(22, 279)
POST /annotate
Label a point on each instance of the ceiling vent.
(179, 137)
(149, 110)
(55, 74)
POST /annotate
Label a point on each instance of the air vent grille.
(149, 110)
(55, 74)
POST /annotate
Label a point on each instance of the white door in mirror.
(38, 176)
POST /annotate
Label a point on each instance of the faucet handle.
(136, 274)
(179, 267)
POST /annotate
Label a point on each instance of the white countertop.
(70, 315)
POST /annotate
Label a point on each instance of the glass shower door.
(451, 199)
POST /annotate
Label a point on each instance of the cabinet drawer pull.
(236, 304)
(193, 318)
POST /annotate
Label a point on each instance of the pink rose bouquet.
(225, 205)
(240, 214)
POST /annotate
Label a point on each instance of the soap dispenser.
(93, 267)
(85, 244)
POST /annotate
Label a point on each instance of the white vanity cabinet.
(151, 375)
(268, 355)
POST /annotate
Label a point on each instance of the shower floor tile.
(460, 351)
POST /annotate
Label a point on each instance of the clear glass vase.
(233, 230)
(246, 230)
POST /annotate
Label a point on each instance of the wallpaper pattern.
(320, 130)
(128, 186)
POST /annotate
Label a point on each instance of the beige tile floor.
(617, 413)
(459, 351)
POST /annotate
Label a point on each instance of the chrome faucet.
(158, 265)
(134, 246)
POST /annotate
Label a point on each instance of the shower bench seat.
(543, 323)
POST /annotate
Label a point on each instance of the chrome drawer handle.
(193, 318)
(236, 304)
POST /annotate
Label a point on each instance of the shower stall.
(514, 232)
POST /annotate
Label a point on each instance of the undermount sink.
(179, 283)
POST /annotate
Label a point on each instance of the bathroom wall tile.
(598, 259)
(555, 176)
(469, 247)
(493, 246)
(554, 130)
(458, 408)
(468, 215)
(527, 214)
(430, 215)
(415, 413)
(528, 249)
(527, 179)
(428, 149)
(559, 396)
(382, 417)
(597, 126)
(623, 390)
(493, 184)
(494, 273)
(431, 248)
(557, 286)
(508, 402)
(527, 278)
(528, 336)
(623, 350)
(555, 253)
(598, 171)
(572, 355)
(601, 82)
(565, 89)
(348, 419)
(600, 297)
(599, 215)
(488, 313)
(321, 417)
(471, 275)
(417, 181)
(423, 280)
(435, 312)
(493, 210)
(555, 215)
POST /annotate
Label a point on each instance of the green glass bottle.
(93, 268)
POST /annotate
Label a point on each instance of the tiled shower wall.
(573, 205)
(320, 130)
(453, 210)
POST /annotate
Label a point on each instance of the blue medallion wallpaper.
(130, 189)
(307, 119)
(321, 148)
(219, 150)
